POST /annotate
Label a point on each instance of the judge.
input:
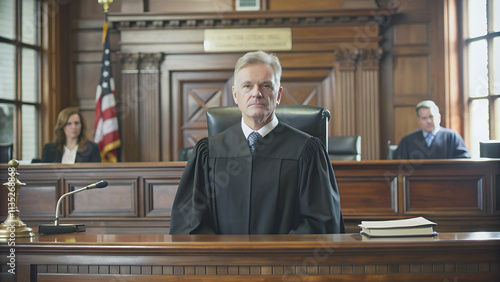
(431, 141)
(260, 176)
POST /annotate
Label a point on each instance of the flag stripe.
(106, 126)
(109, 125)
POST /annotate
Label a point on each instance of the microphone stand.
(68, 228)
(56, 222)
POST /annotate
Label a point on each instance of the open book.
(417, 226)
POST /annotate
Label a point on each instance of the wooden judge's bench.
(127, 226)
(460, 195)
(93, 256)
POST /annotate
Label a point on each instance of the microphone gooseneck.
(99, 184)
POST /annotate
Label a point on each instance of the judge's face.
(256, 94)
(428, 120)
(73, 127)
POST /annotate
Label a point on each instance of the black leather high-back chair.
(6, 153)
(344, 148)
(309, 119)
(185, 153)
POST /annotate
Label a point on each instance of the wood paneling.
(159, 197)
(345, 99)
(411, 34)
(460, 195)
(129, 116)
(40, 201)
(188, 83)
(119, 199)
(301, 94)
(368, 115)
(411, 76)
(417, 67)
(86, 84)
(149, 116)
(445, 194)
(414, 59)
(192, 94)
(304, 5)
(194, 6)
(379, 196)
(410, 5)
(404, 125)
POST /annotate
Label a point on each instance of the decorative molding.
(250, 19)
(150, 61)
(284, 271)
(129, 62)
(370, 58)
(347, 58)
(140, 61)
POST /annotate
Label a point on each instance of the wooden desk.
(460, 195)
(348, 257)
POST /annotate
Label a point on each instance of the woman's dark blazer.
(91, 155)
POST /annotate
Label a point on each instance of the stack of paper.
(417, 226)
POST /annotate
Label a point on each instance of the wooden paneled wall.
(368, 67)
(416, 66)
(325, 46)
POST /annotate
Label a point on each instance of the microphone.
(68, 228)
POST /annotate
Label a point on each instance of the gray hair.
(258, 58)
(428, 104)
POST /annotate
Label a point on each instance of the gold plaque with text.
(250, 39)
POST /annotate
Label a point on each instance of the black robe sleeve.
(190, 210)
(401, 152)
(460, 150)
(319, 201)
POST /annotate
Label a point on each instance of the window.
(482, 70)
(19, 80)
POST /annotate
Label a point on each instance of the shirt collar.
(263, 131)
(69, 156)
(436, 130)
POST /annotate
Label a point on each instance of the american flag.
(106, 134)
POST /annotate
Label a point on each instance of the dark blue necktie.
(253, 138)
(428, 139)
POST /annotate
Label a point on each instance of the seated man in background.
(260, 176)
(431, 141)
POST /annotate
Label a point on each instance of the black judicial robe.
(447, 144)
(287, 186)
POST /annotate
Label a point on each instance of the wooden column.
(149, 106)
(368, 122)
(356, 102)
(129, 120)
(344, 103)
(140, 100)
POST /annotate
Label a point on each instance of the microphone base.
(61, 228)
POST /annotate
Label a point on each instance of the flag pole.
(106, 124)
(105, 5)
